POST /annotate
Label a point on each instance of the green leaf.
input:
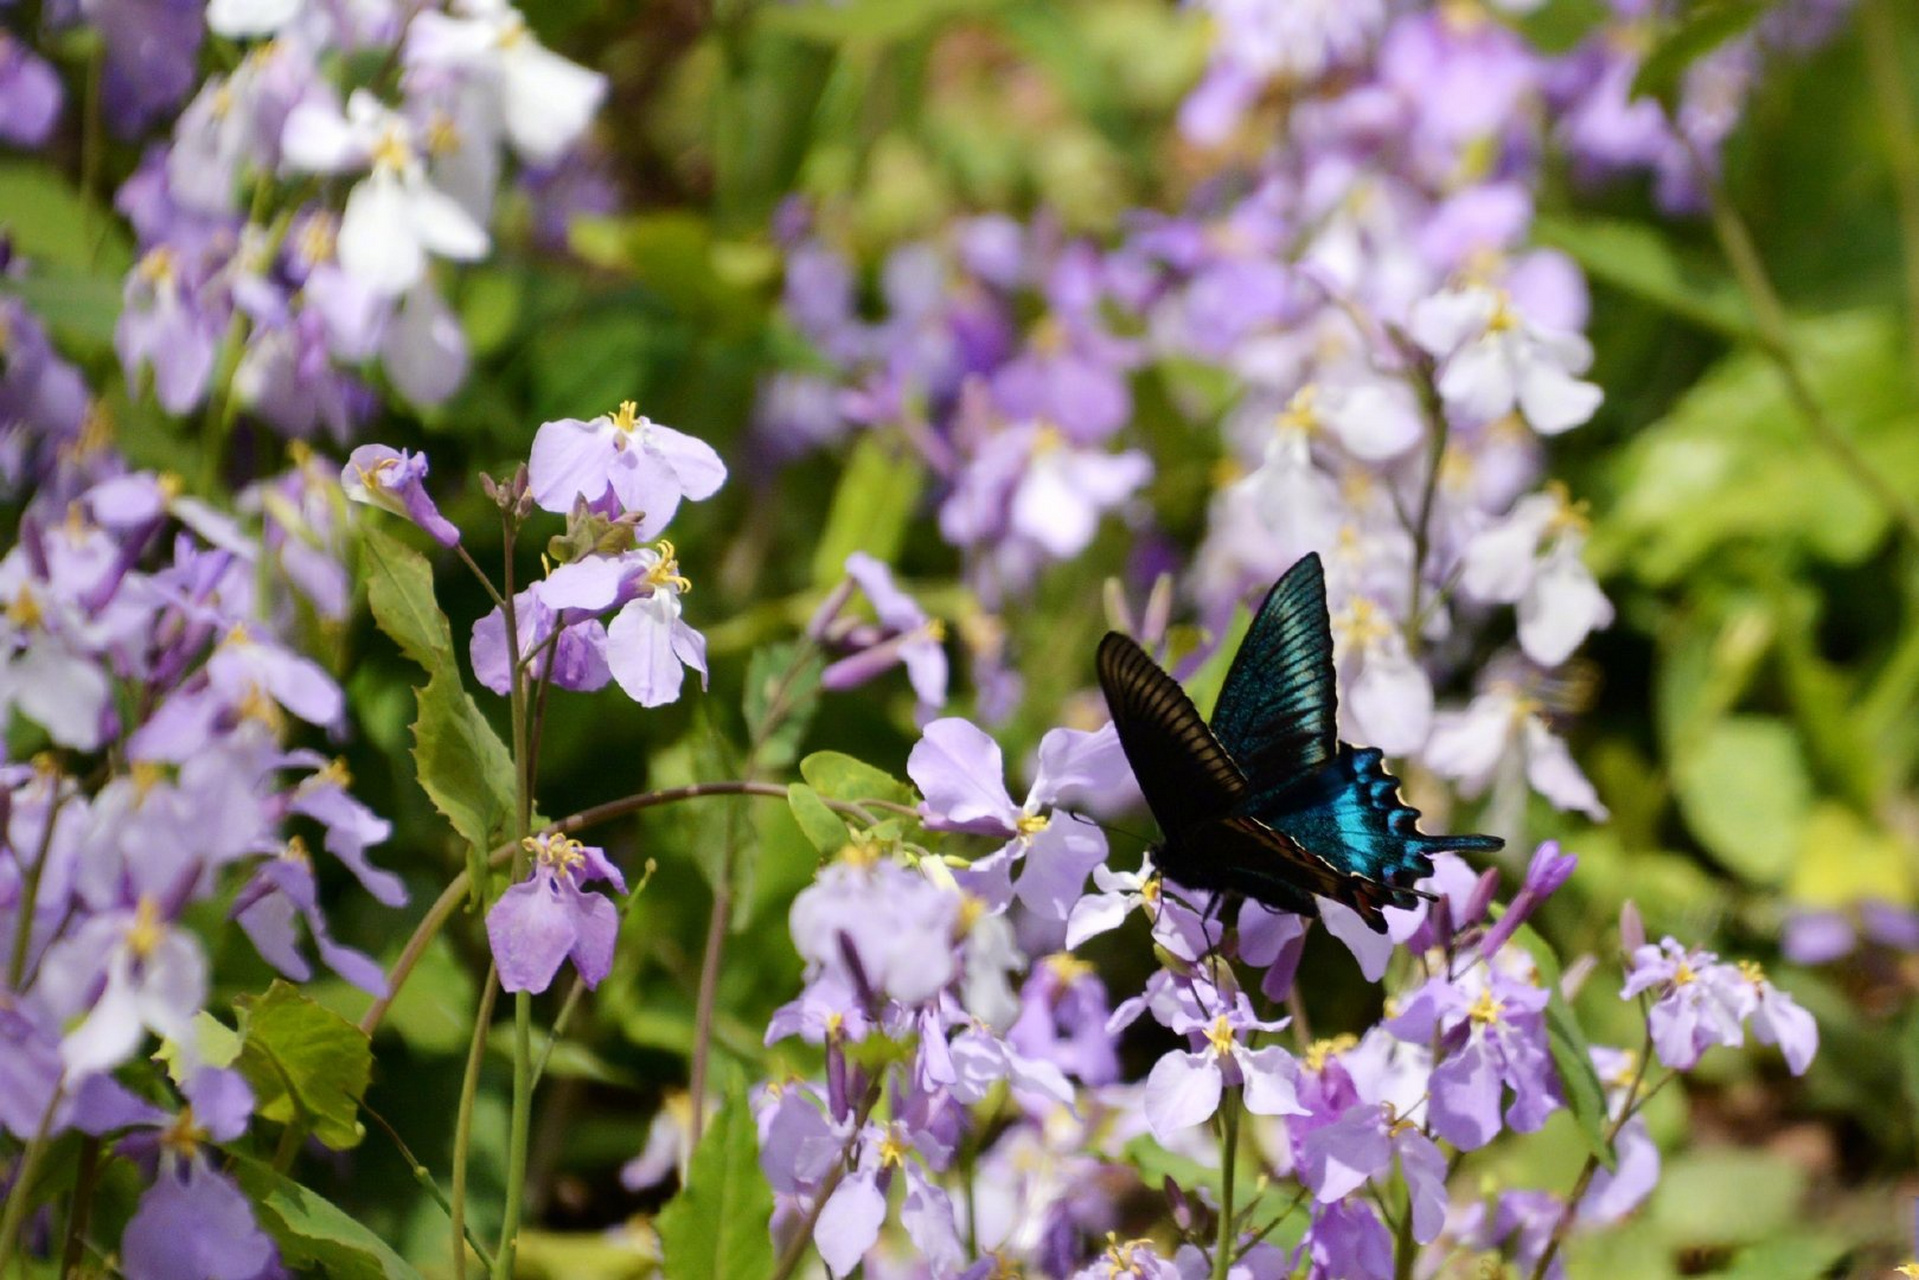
(1637, 259)
(1558, 25)
(1704, 27)
(879, 490)
(1745, 792)
(53, 224)
(822, 826)
(316, 1237)
(1572, 1056)
(463, 766)
(1842, 860)
(839, 776)
(716, 1228)
(307, 1064)
(1726, 1197)
(779, 702)
(81, 308)
(400, 593)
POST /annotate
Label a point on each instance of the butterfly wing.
(1348, 812)
(1277, 711)
(1244, 855)
(1187, 776)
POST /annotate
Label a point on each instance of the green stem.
(456, 890)
(30, 889)
(463, 1125)
(802, 1237)
(20, 1196)
(424, 1176)
(520, 1124)
(1634, 1101)
(1775, 340)
(1880, 29)
(1228, 1159)
(85, 1177)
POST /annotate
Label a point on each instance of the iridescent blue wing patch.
(1278, 710)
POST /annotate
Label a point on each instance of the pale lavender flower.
(649, 646)
(127, 972)
(394, 480)
(1532, 558)
(1495, 360)
(878, 928)
(1473, 743)
(1492, 1036)
(168, 326)
(1184, 1088)
(548, 917)
(646, 467)
(544, 100)
(906, 634)
(30, 94)
(568, 648)
(1698, 1002)
(1548, 870)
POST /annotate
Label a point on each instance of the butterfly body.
(1265, 801)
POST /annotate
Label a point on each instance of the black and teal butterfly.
(1266, 801)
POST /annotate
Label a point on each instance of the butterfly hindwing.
(1184, 772)
(1349, 812)
(1278, 709)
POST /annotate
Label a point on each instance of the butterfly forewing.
(1278, 710)
(1184, 772)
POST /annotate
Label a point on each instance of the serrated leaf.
(878, 492)
(822, 827)
(1635, 258)
(1746, 794)
(400, 593)
(1705, 27)
(307, 1064)
(316, 1237)
(463, 766)
(716, 1228)
(838, 776)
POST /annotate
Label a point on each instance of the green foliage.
(1745, 791)
(840, 777)
(463, 767)
(822, 826)
(716, 1228)
(1637, 258)
(878, 493)
(1700, 29)
(399, 587)
(308, 1066)
(316, 1237)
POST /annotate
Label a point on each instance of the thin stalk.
(424, 1176)
(1246, 1246)
(19, 1196)
(30, 890)
(719, 920)
(1879, 28)
(1775, 340)
(1228, 1159)
(1633, 1102)
(795, 1251)
(85, 1178)
(520, 1124)
(463, 1125)
(456, 890)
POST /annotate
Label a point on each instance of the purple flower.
(1548, 870)
(905, 635)
(283, 890)
(574, 658)
(1491, 1032)
(878, 928)
(547, 918)
(394, 480)
(958, 768)
(647, 468)
(1698, 1002)
(126, 972)
(29, 94)
(1494, 360)
(648, 645)
(1184, 1088)
(168, 325)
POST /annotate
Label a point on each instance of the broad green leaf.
(1789, 1257)
(716, 1228)
(1705, 26)
(1636, 258)
(879, 490)
(400, 593)
(463, 766)
(1558, 25)
(1745, 792)
(307, 1064)
(80, 307)
(822, 826)
(50, 222)
(316, 1237)
(839, 776)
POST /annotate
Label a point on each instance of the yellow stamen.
(666, 570)
(147, 931)
(296, 851)
(442, 135)
(560, 854)
(146, 776)
(1031, 824)
(1320, 1052)
(860, 851)
(1067, 969)
(1486, 1010)
(628, 418)
(183, 1137)
(1301, 413)
(23, 611)
(1683, 976)
(893, 1150)
(392, 152)
(1220, 1036)
(159, 266)
(1362, 623)
(1752, 972)
(1048, 439)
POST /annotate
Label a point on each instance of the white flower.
(1389, 699)
(1532, 559)
(395, 216)
(1469, 745)
(241, 19)
(545, 100)
(1493, 360)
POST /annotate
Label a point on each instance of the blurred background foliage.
(1753, 715)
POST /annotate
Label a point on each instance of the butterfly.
(1266, 801)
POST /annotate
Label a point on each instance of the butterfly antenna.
(1108, 828)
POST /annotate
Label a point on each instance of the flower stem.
(1775, 340)
(424, 1176)
(795, 1250)
(463, 1125)
(520, 1123)
(1228, 1158)
(20, 1195)
(86, 1178)
(1634, 1100)
(30, 889)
